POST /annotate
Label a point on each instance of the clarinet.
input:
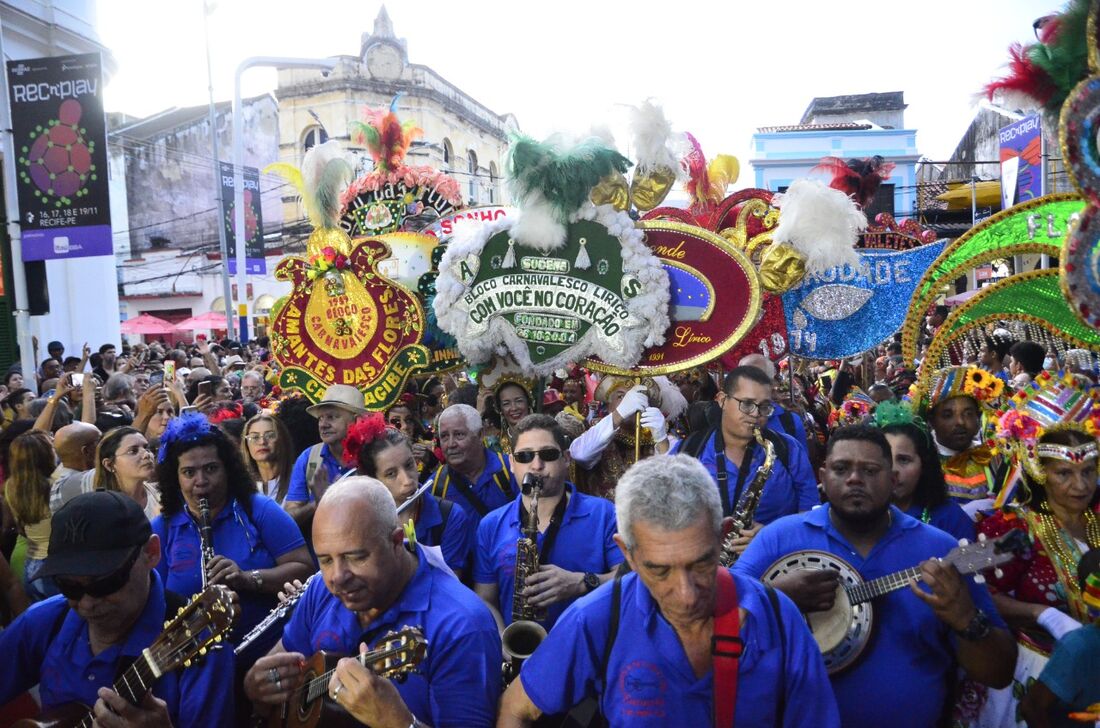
(206, 539)
(276, 615)
(749, 500)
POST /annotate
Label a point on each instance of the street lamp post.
(238, 167)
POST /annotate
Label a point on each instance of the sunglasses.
(547, 455)
(99, 588)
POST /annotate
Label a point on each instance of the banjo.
(843, 631)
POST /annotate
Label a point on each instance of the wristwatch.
(978, 629)
(257, 579)
(591, 581)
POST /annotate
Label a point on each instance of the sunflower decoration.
(982, 385)
(960, 381)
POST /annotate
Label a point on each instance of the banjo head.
(842, 632)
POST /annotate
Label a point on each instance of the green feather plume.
(564, 177)
(1066, 58)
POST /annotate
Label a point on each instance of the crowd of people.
(557, 552)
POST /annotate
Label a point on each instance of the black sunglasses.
(547, 455)
(99, 588)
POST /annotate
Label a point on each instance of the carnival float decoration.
(344, 321)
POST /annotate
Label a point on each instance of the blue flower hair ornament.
(185, 428)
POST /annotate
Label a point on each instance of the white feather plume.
(821, 223)
(538, 226)
(653, 138)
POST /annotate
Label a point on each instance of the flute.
(282, 610)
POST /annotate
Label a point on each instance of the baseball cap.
(94, 534)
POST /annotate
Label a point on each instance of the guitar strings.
(373, 655)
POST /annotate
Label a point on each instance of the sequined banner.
(846, 311)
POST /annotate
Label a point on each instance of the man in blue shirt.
(575, 540)
(319, 466)
(731, 455)
(374, 584)
(112, 608)
(781, 420)
(473, 476)
(920, 632)
(646, 656)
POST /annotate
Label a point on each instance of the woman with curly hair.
(385, 453)
(27, 491)
(920, 490)
(256, 545)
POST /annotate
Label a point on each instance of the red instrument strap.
(725, 649)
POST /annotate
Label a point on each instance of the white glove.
(633, 401)
(654, 421)
(1057, 623)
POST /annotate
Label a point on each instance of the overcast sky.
(721, 69)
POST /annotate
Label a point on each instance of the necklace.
(1063, 549)
(925, 516)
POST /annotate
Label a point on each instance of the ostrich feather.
(652, 137)
(820, 222)
(325, 173)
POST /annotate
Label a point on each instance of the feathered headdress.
(386, 138)
(960, 381)
(324, 174)
(857, 178)
(707, 182)
(551, 180)
(1041, 75)
(894, 414)
(190, 427)
(820, 223)
(362, 432)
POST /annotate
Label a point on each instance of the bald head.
(759, 361)
(75, 445)
(364, 501)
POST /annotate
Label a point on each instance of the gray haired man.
(472, 475)
(662, 669)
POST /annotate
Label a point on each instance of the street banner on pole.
(1022, 161)
(60, 142)
(253, 218)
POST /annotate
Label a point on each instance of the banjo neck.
(868, 590)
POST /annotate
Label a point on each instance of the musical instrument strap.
(723, 477)
(726, 648)
(551, 533)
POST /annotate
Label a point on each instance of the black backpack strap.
(782, 705)
(696, 441)
(613, 625)
(465, 489)
(787, 420)
(445, 507)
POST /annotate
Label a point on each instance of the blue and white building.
(848, 127)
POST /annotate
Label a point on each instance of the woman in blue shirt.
(257, 547)
(383, 452)
(920, 491)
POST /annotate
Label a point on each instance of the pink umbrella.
(207, 321)
(146, 324)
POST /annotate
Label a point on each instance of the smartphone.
(77, 379)
(188, 410)
(169, 371)
(206, 388)
(157, 378)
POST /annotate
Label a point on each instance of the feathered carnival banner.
(562, 280)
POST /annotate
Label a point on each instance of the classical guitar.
(201, 623)
(394, 656)
(843, 631)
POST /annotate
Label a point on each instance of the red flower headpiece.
(234, 412)
(362, 432)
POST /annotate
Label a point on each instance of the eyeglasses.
(749, 407)
(264, 436)
(547, 455)
(99, 588)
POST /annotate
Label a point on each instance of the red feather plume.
(1024, 77)
(363, 431)
(857, 178)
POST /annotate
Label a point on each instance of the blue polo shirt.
(584, 543)
(790, 488)
(650, 681)
(252, 542)
(496, 485)
(457, 684)
(66, 671)
(298, 490)
(949, 518)
(903, 675)
(459, 534)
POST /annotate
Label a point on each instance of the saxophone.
(206, 540)
(745, 510)
(524, 634)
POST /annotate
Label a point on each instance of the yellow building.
(461, 135)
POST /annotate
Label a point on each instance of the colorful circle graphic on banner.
(714, 301)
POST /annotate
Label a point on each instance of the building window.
(471, 167)
(313, 136)
(448, 155)
(492, 183)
